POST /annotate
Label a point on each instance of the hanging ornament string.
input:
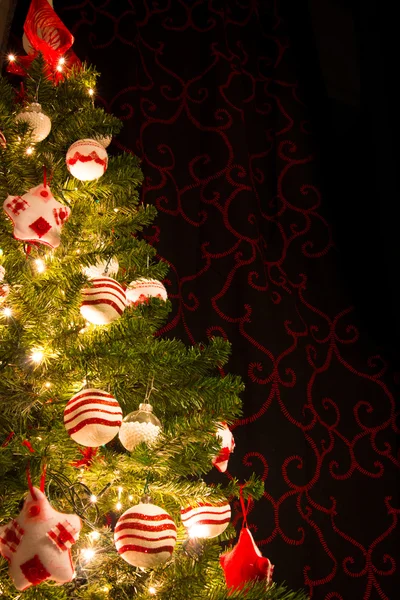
(46, 34)
(245, 509)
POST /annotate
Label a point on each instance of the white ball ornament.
(145, 536)
(206, 520)
(87, 159)
(139, 426)
(102, 267)
(92, 417)
(37, 120)
(140, 290)
(103, 302)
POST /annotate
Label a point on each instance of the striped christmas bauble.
(140, 290)
(92, 417)
(206, 520)
(104, 301)
(145, 535)
(87, 159)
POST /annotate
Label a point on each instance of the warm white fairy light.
(40, 266)
(93, 498)
(37, 356)
(29, 150)
(118, 506)
(196, 531)
(88, 553)
(152, 590)
(61, 61)
(130, 498)
(94, 535)
(91, 92)
(59, 68)
(47, 384)
(105, 589)
(7, 312)
(11, 57)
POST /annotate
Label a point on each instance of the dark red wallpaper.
(210, 96)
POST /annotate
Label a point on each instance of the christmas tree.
(89, 473)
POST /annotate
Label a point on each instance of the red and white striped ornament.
(206, 520)
(140, 290)
(92, 417)
(87, 159)
(145, 535)
(220, 461)
(104, 301)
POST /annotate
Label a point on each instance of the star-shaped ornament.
(245, 563)
(37, 216)
(37, 543)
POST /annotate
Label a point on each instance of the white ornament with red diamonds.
(37, 216)
(87, 160)
(92, 417)
(140, 290)
(227, 447)
(37, 543)
(206, 520)
(145, 536)
(103, 302)
(37, 121)
(102, 267)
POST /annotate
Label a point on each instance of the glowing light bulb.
(118, 506)
(152, 590)
(47, 384)
(7, 312)
(88, 553)
(37, 356)
(40, 266)
(11, 57)
(59, 68)
(105, 588)
(29, 150)
(94, 535)
(130, 498)
(61, 61)
(197, 531)
(91, 92)
(93, 498)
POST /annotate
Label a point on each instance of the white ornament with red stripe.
(92, 417)
(140, 290)
(87, 160)
(37, 543)
(145, 535)
(4, 288)
(206, 520)
(220, 461)
(102, 267)
(103, 302)
(37, 216)
(39, 123)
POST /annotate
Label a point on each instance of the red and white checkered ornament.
(92, 417)
(140, 290)
(103, 302)
(37, 216)
(37, 543)
(206, 520)
(145, 535)
(220, 461)
(87, 159)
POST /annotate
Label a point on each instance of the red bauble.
(245, 563)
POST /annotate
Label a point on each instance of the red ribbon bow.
(46, 33)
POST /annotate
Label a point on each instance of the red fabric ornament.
(46, 33)
(245, 563)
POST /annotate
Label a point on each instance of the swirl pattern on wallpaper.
(209, 95)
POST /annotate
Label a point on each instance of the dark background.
(266, 131)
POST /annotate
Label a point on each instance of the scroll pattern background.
(209, 96)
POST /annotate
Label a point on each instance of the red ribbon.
(48, 35)
(88, 456)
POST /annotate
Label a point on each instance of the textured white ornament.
(37, 543)
(206, 520)
(104, 302)
(87, 160)
(102, 267)
(227, 447)
(37, 120)
(37, 216)
(132, 434)
(145, 536)
(104, 140)
(140, 290)
(92, 417)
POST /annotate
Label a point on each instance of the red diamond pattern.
(34, 571)
(40, 226)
